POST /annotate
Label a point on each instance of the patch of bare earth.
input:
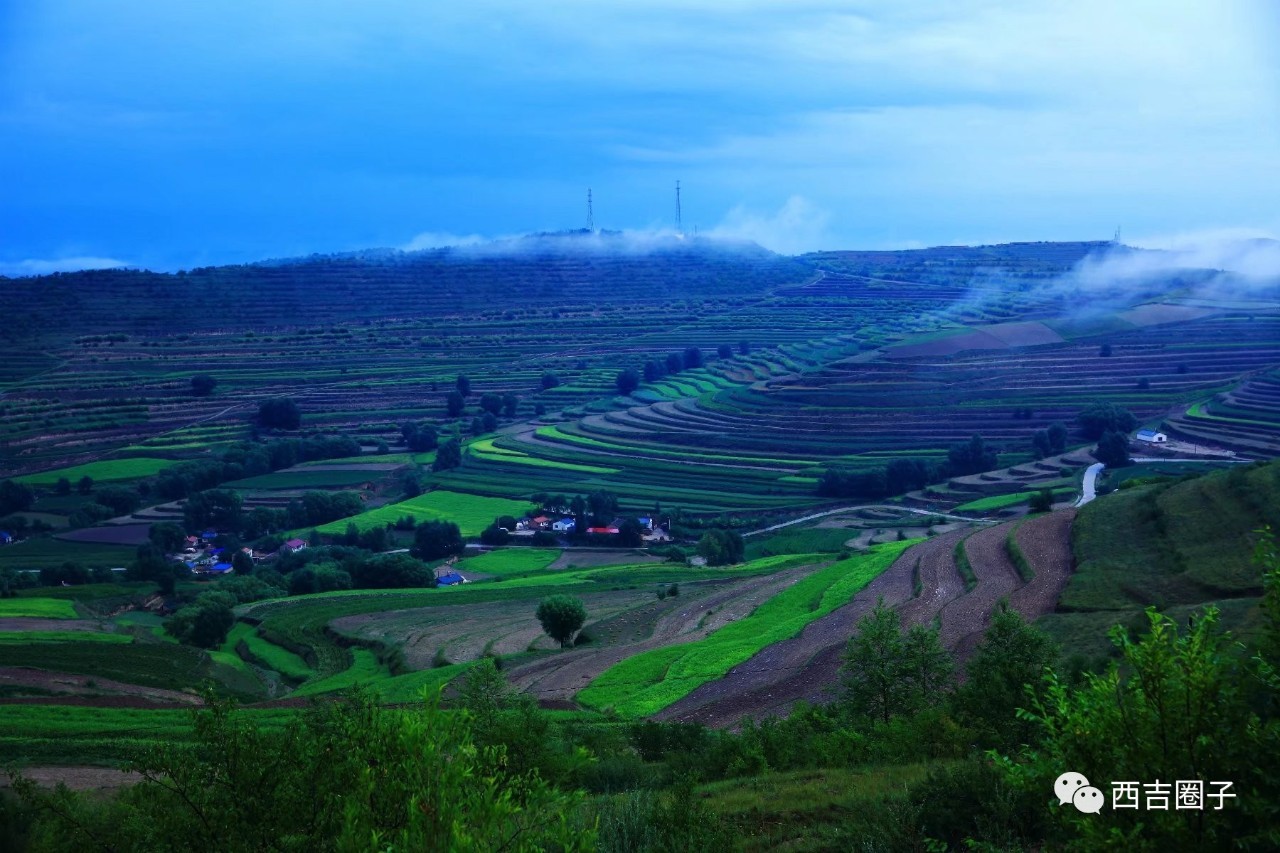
(85, 689)
(682, 620)
(1046, 543)
(32, 623)
(77, 778)
(966, 618)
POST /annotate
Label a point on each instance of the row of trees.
(628, 379)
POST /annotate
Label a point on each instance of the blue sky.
(173, 135)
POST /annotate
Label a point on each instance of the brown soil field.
(1046, 543)
(30, 623)
(78, 691)
(105, 779)
(593, 558)
(113, 534)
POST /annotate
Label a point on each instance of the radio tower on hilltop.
(679, 223)
(591, 216)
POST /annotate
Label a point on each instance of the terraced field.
(925, 586)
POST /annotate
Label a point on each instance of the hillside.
(1174, 545)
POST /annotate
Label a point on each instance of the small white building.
(1150, 436)
(564, 525)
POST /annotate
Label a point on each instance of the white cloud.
(796, 227)
(440, 240)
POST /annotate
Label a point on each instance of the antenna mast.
(1117, 239)
(679, 224)
(591, 216)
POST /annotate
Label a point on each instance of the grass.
(102, 471)
(50, 553)
(964, 567)
(471, 513)
(648, 682)
(800, 541)
(997, 502)
(164, 665)
(826, 809)
(505, 562)
(306, 480)
(8, 638)
(364, 669)
(37, 608)
(266, 654)
(69, 734)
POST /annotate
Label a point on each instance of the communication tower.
(591, 216)
(679, 223)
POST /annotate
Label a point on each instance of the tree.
(448, 456)
(279, 413)
(549, 381)
(674, 363)
(419, 437)
(463, 384)
(1010, 661)
(744, 348)
(1042, 501)
(84, 485)
(168, 536)
(971, 458)
(510, 402)
(16, 497)
(653, 371)
(494, 535)
(204, 623)
(477, 425)
(202, 385)
(344, 775)
(62, 487)
(630, 533)
(435, 540)
(603, 506)
(489, 422)
(561, 617)
(721, 547)
(1105, 351)
(1101, 417)
(454, 403)
(1057, 437)
(121, 499)
(1176, 706)
(724, 351)
(627, 381)
(491, 403)
(1113, 450)
(692, 358)
(873, 683)
(396, 571)
(1040, 446)
(216, 508)
(242, 563)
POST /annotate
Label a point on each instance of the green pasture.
(648, 682)
(37, 608)
(49, 552)
(8, 638)
(72, 734)
(472, 513)
(101, 471)
(266, 654)
(504, 562)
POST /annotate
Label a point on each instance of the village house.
(1150, 436)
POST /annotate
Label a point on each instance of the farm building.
(1150, 436)
(5, 537)
(295, 545)
(450, 578)
(564, 525)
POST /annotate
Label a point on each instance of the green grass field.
(49, 553)
(40, 608)
(471, 513)
(306, 480)
(506, 562)
(649, 682)
(105, 470)
(291, 666)
(9, 638)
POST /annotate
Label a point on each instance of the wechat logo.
(1074, 788)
